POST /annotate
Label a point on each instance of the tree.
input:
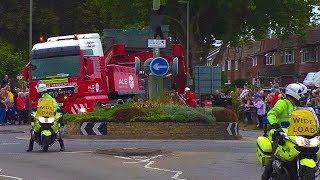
(11, 61)
(236, 22)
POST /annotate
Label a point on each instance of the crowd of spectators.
(256, 102)
(13, 103)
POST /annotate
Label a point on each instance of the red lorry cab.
(81, 76)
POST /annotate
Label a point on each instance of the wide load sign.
(303, 122)
(45, 109)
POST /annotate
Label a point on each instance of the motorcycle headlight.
(50, 120)
(314, 142)
(41, 119)
(304, 142)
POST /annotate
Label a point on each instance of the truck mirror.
(137, 65)
(25, 73)
(89, 67)
(175, 66)
(146, 66)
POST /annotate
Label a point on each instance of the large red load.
(81, 76)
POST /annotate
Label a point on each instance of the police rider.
(279, 115)
(43, 93)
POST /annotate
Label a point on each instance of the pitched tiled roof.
(313, 36)
(269, 45)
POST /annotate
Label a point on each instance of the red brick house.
(263, 61)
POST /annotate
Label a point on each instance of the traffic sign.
(159, 66)
(156, 43)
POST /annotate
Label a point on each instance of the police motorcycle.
(292, 152)
(46, 127)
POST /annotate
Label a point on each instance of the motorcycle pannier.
(264, 150)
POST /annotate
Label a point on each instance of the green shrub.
(183, 113)
(144, 112)
(225, 115)
(126, 114)
(214, 109)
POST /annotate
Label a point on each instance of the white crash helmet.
(296, 90)
(186, 89)
(42, 88)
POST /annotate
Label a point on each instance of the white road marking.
(1, 144)
(120, 157)
(11, 177)
(141, 159)
(176, 176)
(76, 152)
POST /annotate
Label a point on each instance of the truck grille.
(60, 93)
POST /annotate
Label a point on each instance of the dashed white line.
(120, 157)
(76, 152)
(177, 173)
(11, 177)
(149, 162)
(9, 143)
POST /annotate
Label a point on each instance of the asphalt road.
(205, 160)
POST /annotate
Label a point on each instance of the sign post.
(158, 68)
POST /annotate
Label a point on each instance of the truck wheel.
(130, 100)
(120, 101)
(98, 106)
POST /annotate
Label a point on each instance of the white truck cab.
(89, 43)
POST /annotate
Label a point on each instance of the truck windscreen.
(55, 67)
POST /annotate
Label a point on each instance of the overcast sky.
(316, 10)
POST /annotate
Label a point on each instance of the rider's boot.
(31, 143)
(62, 148)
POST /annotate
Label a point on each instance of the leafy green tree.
(12, 61)
(236, 22)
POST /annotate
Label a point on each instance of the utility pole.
(188, 31)
(30, 25)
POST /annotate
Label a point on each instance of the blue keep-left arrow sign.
(159, 66)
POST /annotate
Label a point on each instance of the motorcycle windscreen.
(45, 109)
(303, 122)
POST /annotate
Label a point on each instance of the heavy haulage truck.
(82, 76)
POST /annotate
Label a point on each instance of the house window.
(229, 65)
(309, 55)
(223, 66)
(254, 61)
(253, 81)
(287, 57)
(270, 59)
(236, 65)
(258, 83)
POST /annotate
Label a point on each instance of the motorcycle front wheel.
(281, 175)
(45, 143)
(308, 174)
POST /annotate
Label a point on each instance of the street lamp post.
(188, 9)
(30, 25)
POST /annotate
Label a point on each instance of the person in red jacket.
(21, 108)
(190, 98)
